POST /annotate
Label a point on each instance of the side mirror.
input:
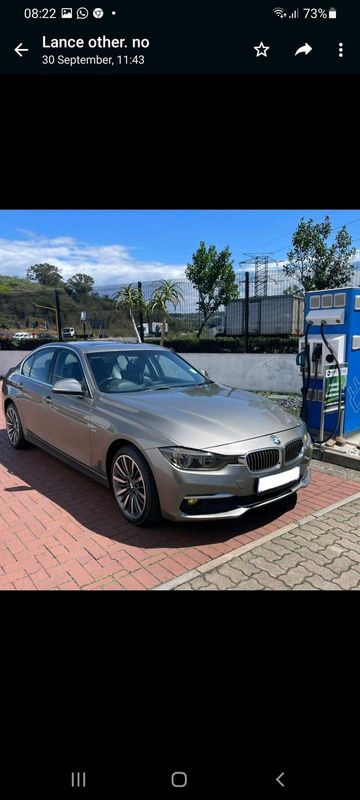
(204, 372)
(68, 386)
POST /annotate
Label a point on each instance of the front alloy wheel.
(134, 487)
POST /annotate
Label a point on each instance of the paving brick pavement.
(61, 530)
(319, 555)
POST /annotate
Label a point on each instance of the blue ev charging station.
(329, 358)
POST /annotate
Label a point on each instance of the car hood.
(208, 415)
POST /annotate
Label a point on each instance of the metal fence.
(274, 314)
(277, 311)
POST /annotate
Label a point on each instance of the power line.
(344, 224)
(283, 235)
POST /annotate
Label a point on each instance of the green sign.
(331, 386)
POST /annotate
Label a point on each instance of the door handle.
(47, 399)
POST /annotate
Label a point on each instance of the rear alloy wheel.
(134, 487)
(14, 428)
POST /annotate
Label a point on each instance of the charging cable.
(306, 383)
(305, 387)
(326, 343)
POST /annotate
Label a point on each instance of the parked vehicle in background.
(153, 328)
(67, 333)
(275, 315)
(24, 335)
(145, 329)
(164, 437)
(157, 327)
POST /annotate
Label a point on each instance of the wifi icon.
(280, 12)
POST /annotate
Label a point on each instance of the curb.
(218, 562)
(335, 457)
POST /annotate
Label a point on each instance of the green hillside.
(17, 311)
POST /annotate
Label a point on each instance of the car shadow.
(93, 506)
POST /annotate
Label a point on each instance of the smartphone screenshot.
(182, 39)
(180, 400)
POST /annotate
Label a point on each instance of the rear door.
(34, 386)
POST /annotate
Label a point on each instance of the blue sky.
(120, 246)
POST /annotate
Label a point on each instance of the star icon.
(261, 49)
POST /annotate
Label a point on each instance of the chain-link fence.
(277, 308)
(182, 319)
(274, 314)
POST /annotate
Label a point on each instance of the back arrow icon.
(304, 49)
(19, 49)
(278, 779)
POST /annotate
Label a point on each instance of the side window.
(67, 365)
(40, 367)
(27, 365)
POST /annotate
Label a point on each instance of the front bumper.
(222, 494)
(256, 502)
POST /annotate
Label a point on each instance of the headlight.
(184, 458)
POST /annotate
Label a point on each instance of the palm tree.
(130, 299)
(167, 293)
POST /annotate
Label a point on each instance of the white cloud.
(107, 264)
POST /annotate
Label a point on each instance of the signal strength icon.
(280, 12)
(295, 14)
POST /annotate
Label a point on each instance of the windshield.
(128, 371)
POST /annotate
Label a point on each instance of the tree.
(296, 291)
(314, 263)
(212, 274)
(168, 293)
(46, 274)
(130, 299)
(79, 286)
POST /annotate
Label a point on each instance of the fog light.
(192, 501)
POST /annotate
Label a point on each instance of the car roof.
(96, 347)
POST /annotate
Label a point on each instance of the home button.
(179, 780)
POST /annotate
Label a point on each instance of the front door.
(68, 423)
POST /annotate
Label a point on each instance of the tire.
(14, 428)
(134, 487)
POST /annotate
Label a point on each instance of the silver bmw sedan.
(143, 421)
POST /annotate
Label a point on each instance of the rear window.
(26, 367)
(40, 367)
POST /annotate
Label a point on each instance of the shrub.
(25, 344)
(232, 344)
(223, 344)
